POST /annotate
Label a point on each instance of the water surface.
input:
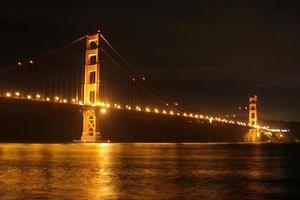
(149, 171)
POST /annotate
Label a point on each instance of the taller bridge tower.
(91, 93)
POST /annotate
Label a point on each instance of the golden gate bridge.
(90, 73)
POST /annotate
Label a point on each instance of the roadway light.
(19, 63)
(47, 99)
(8, 94)
(31, 61)
(65, 101)
(28, 96)
(38, 96)
(73, 100)
(138, 108)
(17, 94)
(103, 110)
(56, 98)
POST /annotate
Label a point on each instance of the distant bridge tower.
(253, 111)
(91, 93)
(253, 134)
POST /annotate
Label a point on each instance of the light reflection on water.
(149, 171)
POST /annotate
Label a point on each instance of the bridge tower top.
(253, 110)
(92, 69)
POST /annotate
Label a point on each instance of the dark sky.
(208, 55)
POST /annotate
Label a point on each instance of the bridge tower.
(253, 111)
(91, 93)
(253, 134)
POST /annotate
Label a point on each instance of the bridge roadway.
(38, 99)
(42, 121)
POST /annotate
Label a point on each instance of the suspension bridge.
(89, 72)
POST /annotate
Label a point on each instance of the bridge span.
(90, 76)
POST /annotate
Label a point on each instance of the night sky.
(209, 55)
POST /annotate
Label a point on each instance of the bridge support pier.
(253, 136)
(90, 132)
